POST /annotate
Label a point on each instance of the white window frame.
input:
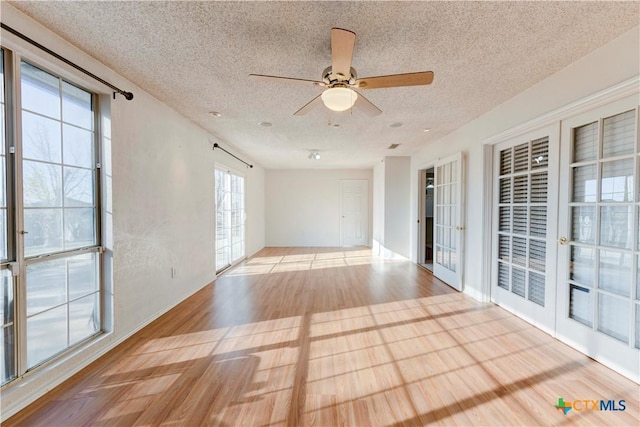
(19, 51)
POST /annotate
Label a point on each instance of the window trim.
(14, 53)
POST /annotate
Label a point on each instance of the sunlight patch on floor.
(258, 265)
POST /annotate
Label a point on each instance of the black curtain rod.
(127, 95)
(216, 145)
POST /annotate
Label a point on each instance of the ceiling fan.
(341, 80)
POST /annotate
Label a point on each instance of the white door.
(524, 226)
(448, 221)
(354, 215)
(599, 232)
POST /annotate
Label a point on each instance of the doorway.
(426, 219)
(440, 219)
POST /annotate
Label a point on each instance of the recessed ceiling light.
(265, 124)
(215, 114)
(426, 130)
(395, 124)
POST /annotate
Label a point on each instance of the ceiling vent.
(393, 146)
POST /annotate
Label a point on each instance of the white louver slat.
(504, 220)
(520, 189)
(539, 186)
(520, 219)
(619, 135)
(503, 276)
(540, 153)
(537, 254)
(519, 251)
(538, 221)
(521, 158)
(518, 281)
(506, 157)
(536, 288)
(586, 142)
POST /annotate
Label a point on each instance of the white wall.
(396, 204)
(255, 208)
(378, 208)
(391, 207)
(162, 203)
(604, 67)
(303, 206)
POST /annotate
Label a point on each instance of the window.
(56, 221)
(7, 328)
(229, 218)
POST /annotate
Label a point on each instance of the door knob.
(563, 240)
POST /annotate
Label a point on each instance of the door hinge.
(12, 150)
(98, 165)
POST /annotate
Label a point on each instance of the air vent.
(393, 146)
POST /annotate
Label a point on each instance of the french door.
(524, 220)
(50, 257)
(566, 232)
(599, 237)
(448, 221)
(230, 218)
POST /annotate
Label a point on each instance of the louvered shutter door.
(522, 219)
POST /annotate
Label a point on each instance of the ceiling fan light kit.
(339, 98)
(340, 79)
(314, 155)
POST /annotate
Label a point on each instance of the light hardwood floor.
(308, 336)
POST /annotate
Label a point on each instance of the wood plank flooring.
(327, 337)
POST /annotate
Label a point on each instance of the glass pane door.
(601, 299)
(223, 220)
(448, 221)
(230, 218)
(237, 217)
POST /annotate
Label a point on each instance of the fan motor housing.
(330, 79)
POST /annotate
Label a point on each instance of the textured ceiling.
(196, 56)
